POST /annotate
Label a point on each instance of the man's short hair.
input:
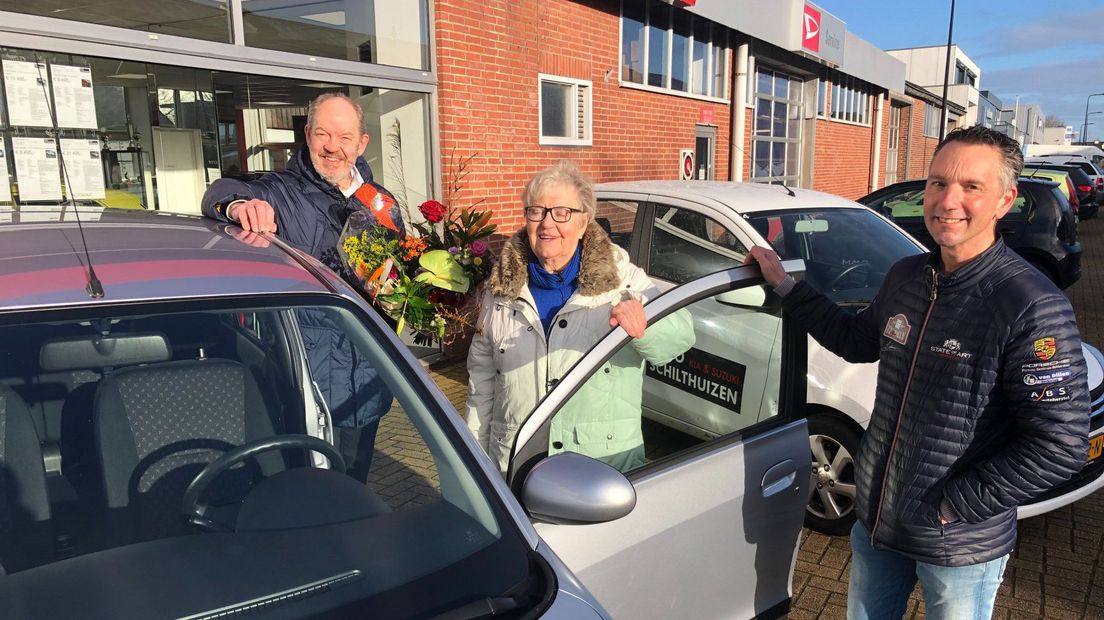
(312, 109)
(1012, 161)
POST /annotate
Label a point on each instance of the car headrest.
(88, 352)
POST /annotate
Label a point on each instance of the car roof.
(741, 197)
(138, 256)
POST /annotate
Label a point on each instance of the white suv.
(679, 231)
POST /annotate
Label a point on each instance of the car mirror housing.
(570, 488)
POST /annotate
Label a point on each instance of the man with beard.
(307, 205)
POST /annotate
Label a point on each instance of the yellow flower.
(478, 261)
(375, 248)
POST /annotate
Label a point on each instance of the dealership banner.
(704, 375)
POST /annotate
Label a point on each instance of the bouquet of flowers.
(422, 281)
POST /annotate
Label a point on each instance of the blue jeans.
(881, 582)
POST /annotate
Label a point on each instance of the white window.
(850, 101)
(564, 111)
(931, 120)
(671, 49)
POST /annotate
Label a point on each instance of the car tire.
(833, 443)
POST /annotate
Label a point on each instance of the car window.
(910, 204)
(847, 252)
(617, 218)
(706, 371)
(127, 405)
(687, 245)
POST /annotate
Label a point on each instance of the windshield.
(847, 252)
(110, 415)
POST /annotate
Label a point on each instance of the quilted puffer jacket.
(310, 213)
(982, 401)
(512, 364)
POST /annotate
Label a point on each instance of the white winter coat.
(512, 364)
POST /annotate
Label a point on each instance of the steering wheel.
(196, 511)
(847, 270)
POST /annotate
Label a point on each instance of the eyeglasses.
(559, 214)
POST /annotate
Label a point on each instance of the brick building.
(626, 87)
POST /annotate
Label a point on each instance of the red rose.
(433, 211)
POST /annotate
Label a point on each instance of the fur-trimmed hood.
(598, 272)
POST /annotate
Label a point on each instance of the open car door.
(715, 526)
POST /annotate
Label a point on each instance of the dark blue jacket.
(982, 400)
(310, 213)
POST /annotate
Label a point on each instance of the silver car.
(167, 451)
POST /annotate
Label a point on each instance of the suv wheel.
(833, 443)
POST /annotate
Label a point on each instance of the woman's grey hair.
(312, 109)
(1012, 161)
(564, 172)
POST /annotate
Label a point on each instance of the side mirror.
(749, 297)
(570, 488)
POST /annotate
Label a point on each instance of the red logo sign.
(707, 116)
(688, 165)
(810, 29)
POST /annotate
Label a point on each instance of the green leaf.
(442, 271)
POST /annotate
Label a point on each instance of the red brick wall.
(920, 146)
(489, 55)
(842, 158)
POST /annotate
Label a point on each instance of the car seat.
(158, 425)
(25, 531)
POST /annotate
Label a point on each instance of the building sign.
(810, 29)
(822, 34)
(706, 116)
(686, 164)
(707, 376)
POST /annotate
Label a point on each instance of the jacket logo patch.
(952, 350)
(1045, 348)
(1044, 378)
(897, 329)
(1051, 395)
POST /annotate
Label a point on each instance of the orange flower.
(414, 247)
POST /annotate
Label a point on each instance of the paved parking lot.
(1057, 569)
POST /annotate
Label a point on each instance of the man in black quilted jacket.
(982, 400)
(307, 205)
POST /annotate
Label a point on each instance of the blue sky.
(1049, 53)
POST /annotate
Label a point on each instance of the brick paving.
(1057, 569)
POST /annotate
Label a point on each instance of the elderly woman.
(559, 287)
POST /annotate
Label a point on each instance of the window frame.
(587, 139)
(717, 76)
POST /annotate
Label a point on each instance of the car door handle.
(779, 478)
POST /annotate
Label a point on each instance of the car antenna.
(764, 169)
(95, 287)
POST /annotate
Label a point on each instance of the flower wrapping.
(424, 282)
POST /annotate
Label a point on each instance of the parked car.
(167, 452)
(1088, 198)
(1085, 162)
(678, 231)
(1065, 186)
(1040, 226)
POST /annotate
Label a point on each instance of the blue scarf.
(552, 290)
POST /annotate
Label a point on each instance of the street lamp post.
(1087, 123)
(947, 76)
(1085, 126)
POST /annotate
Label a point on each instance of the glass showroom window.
(374, 31)
(777, 139)
(160, 134)
(206, 20)
(564, 111)
(672, 49)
